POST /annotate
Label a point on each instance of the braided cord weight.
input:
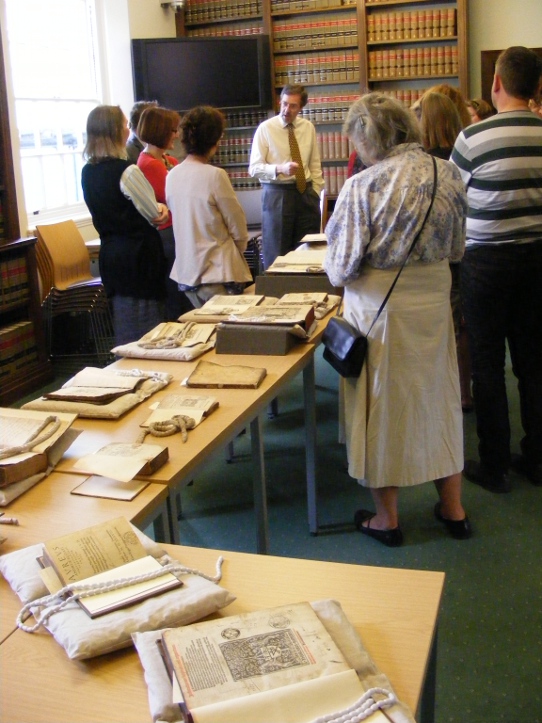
(74, 591)
(165, 428)
(362, 708)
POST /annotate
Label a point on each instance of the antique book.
(173, 333)
(278, 665)
(124, 460)
(190, 405)
(99, 554)
(220, 307)
(278, 314)
(18, 427)
(15, 469)
(303, 297)
(217, 376)
(314, 238)
(110, 489)
(299, 262)
(95, 386)
(226, 304)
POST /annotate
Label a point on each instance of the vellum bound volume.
(100, 554)
(18, 427)
(124, 460)
(278, 665)
(190, 405)
(210, 375)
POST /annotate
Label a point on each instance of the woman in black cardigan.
(125, 214)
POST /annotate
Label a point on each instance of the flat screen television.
(180, 73)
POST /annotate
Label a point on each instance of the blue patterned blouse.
(379, 211)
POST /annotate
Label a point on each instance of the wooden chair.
(70, 294)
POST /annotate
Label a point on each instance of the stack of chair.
(70, 294)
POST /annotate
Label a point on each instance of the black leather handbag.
(345, 346)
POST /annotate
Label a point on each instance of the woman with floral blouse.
(402, 416)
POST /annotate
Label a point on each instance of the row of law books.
(333, 145)
(278, 6)
(17, 347)
(412, 25)
(13, 281)
(322, 67)
(241, 181)
(198, 11)
(413, 62)
(325, 108)
(234, 150)
(245, 118)
(334, 31)
(225, 30)
(334, 178)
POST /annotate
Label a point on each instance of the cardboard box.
(280, 284)
(254, 339)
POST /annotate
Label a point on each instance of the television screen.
(181, 73)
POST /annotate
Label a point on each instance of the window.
(55, 79)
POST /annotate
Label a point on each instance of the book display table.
(238, 408)
(394, 611)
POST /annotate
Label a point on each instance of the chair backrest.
(251, 201)
(63, 250)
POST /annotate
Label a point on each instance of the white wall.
(149, 20)
(498, 24)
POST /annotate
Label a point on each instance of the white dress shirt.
(271, 148)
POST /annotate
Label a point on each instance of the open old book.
(124, 460)
(24, 428)
(278, 665)
(99, 554)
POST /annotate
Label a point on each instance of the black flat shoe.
(391, 538)
(459, 529)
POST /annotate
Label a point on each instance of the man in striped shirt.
(500, 160)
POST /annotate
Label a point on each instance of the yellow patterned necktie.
(300, 180)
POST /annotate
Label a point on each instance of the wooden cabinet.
(410, 46)
(24, 365)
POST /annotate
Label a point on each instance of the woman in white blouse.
(402, 416)
(209, 224)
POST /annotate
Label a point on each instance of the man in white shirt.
(290, 173)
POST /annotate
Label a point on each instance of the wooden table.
(238, 408)
(50, 510)
(395, 612)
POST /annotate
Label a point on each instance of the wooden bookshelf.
(330, 46)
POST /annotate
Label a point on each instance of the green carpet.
(490, 632)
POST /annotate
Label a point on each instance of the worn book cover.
(278, 665)
(20, 427)
(283, 315)
(210, 375)
(197, 407)
(98, 554)
(124, 460)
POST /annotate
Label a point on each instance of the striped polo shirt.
(500, 160)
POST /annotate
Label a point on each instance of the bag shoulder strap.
(385, 301)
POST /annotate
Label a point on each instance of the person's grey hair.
(381, 123)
